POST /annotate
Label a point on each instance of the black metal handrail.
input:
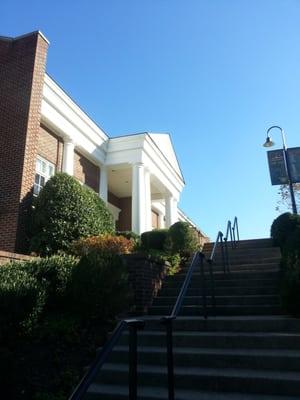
(235, 227)
(133, 325)
(219, 241)
(168, 320)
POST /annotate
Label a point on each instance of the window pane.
(44, 169)
(38, 165)
(37, 179)
(51, 170)
(42, 181)
(36, 189)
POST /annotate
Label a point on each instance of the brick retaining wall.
(145, 277)
(6, 256)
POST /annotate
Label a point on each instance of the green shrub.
(132, 236)
(290, 286)
(282, 227)
(100, 286)
(173, 259)
(22, 299)
(65, 211)
(54, 274)
(285, 232)
(111, 244)
(183, 239)
(155, 239)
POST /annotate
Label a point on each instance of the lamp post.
(270, 143)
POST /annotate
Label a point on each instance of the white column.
(138, 220)
(171, 210)
(161, 222)
(148, 211)
(103, 183)
(68, 157)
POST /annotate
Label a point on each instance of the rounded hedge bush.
(283, 227)
(183, 238)
(65, 211)
(155, 239)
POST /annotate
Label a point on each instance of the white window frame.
(44, 169)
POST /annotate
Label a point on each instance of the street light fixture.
(270, 143)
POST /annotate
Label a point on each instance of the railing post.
(222, 251)
(133, 326)
(168, 322)
(226, 255)
(212, 286)
(201, 256)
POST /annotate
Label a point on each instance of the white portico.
(137, 175)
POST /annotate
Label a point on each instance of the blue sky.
(215, 74)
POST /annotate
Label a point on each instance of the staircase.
(248, 351)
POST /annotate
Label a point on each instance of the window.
(43, 171)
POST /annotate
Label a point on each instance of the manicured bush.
(283, 226)
(100, 286)
(183, 239)
(103, 243)
(155, 239)
(22, 299)
(65, 211)
(54, 274)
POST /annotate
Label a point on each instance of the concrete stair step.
(215, 379)
(256, 283)
(119, 392)
(273, 274)
(220, 300)
(237, 309)
(221, 340)
(256, 251)
(246, 244)
(256, 323)
(279, 359)
(219, 291)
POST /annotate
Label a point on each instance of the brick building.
(43, 131)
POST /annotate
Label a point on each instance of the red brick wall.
(154, 219)
(50, 147)
(86, 172)
(112, 199)
(145, 278)
(22, 68)
(124, 222)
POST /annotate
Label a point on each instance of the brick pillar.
(22, 69)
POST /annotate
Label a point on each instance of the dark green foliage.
(285, 231)
(282, 227)
(155, 239)
(65, 211)
(22, 299)
(290, 287)
(131, 235)
(183, 238)
(100, 286)
(54, 274)
(173, 260)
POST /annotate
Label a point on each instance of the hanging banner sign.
(294, 163)
(277, 168)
